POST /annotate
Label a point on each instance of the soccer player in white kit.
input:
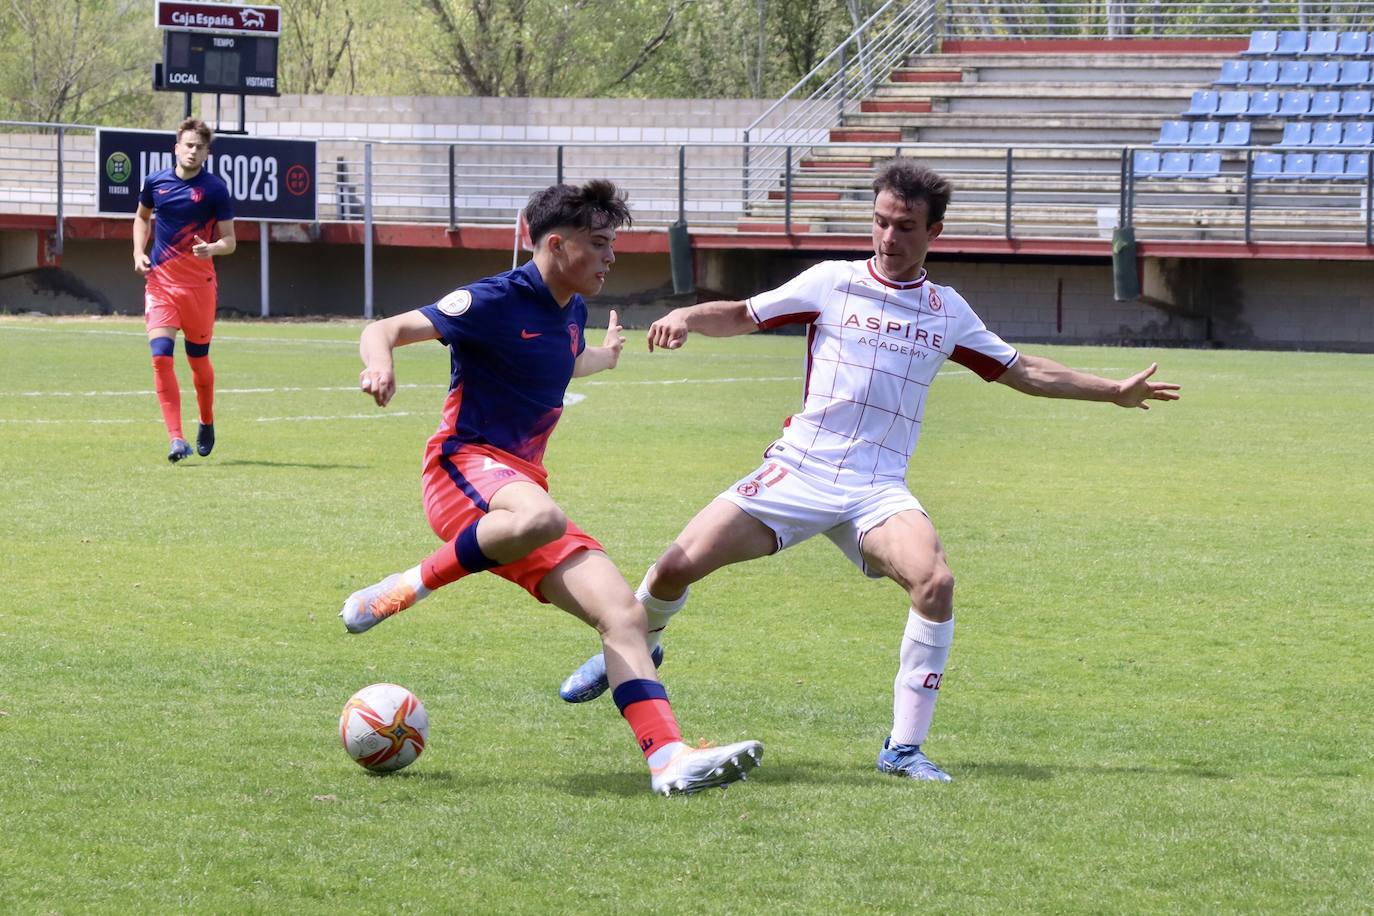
(877, 333)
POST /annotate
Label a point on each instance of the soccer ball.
(384, 727)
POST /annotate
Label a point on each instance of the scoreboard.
(206, 62)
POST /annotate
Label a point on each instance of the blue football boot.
(589, 681)
(907, 760)
(205, 439)
(180, 449)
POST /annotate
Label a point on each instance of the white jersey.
(873, 348)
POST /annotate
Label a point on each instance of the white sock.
(925, 649)
(413, 579)
(658, 758)
(658, 611)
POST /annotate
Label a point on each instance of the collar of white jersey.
(910, 284)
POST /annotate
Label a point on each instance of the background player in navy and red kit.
(191, 206)
(516, 340)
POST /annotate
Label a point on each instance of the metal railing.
(1096, 19)
(1021, 191)
(847, 74)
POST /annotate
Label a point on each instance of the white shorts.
(796, 506)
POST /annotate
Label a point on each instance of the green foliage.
(79, 61)
(1157, 701)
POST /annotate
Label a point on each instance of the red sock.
(644, 704)
(204, 375)
(458, 558)
(168, 394)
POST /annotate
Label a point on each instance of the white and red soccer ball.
(384, 727)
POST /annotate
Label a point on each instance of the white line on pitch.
(152, 420)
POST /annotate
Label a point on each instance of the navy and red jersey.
(184, 209)
(512, 348)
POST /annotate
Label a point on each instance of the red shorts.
(190, 308)
(458, 489)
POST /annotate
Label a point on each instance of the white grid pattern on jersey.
(875, 348)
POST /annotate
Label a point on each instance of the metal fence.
(1096, 19)
(1029, 191)
(846, 75)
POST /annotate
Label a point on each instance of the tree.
(77, 60)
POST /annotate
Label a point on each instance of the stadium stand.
(1262, 43)
(1235, 133)
(1358, 133)
(1352, 44)
(1353, 73)
(1296, 133)
(1320, 44)
(1295, 104)
(1233, 73)
(1291, 73)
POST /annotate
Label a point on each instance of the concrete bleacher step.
(1135, 68)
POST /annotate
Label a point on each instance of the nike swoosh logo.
(526, 335)
(164, 190)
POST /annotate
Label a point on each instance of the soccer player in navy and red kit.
(191, 206)
(516, 340)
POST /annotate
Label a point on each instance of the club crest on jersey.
(748, 488)
(197, 195)
(456, 303)
(934, 301)
(572, 338)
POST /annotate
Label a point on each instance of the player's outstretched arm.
(721, 318)
(606, 356)
(1046, 378)
(379, 339)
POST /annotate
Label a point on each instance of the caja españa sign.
(218, 17)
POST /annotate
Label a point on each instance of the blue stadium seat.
(1320, 44)
(1174, 165)
(1357, 165)
(1291, 44)
(1298, 165)
(1205, 165)
(1325, 73)
(1355, 103)
(1294, 103)
(1354, 73)
(1236, 133)
(1262, 43)
(1267, 165)
(1291, 73)
(1296, 133)
(1145, 163)
(1326, 133)
(1204, 103)
(1262, 104)
(1233, 73)
(1265, 72)
(1325, 104)
(1233, 103)
(1358, 133)
(1173, 133)
(1204, 133)
(1329, 165)
(1352, 44)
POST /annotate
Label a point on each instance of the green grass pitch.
(1158, 699)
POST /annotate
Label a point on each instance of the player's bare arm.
(597, 359)
(721, 318)
(143, 227)
(225, 244)
(379, 339)
(1046, 378)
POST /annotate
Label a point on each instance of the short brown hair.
(598, 204)
(200, 127)
(913, 182)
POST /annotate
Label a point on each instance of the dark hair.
(598, 204)
(913, 182)
(200, 127)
